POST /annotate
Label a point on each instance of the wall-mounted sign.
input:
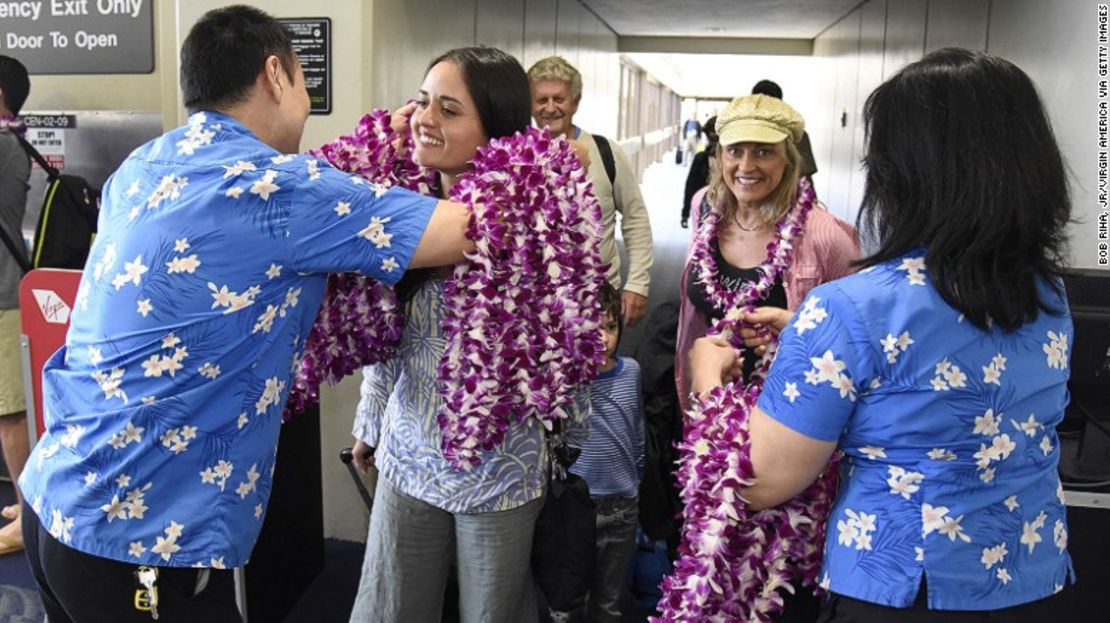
(51, 145)
(79, 36)
(45, 132)
(312, 43)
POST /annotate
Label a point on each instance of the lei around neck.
(521, 315)
(780, 256)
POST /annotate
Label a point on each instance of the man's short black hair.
(769, 88)
(14, 82)
(224, 52)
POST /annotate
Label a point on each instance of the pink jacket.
(825, 252)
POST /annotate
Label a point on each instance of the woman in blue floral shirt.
(940, 370)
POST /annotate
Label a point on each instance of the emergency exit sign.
(79, 36)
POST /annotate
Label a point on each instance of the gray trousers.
(409, 551)
(617, 519)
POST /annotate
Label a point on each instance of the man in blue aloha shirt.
(164, 406)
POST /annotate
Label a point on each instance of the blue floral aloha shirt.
(164, 406)
(949, 435)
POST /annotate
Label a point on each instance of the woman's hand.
(713, 362)
(399, 123)
(769, 322)
(363, 456)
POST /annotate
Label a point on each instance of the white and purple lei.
(13, 124)
(521, 315)
(733, 559)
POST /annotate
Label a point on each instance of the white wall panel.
(1055, 43)
(539, 30)
(606, 79)
(498, 24)
(957, 23)
(846, 41)
(405, 39)
(872, 35)
(820, 125)
(905, 34)
(568, 30)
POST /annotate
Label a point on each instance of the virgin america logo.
(54, 309)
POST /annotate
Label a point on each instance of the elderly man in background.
(556, 93)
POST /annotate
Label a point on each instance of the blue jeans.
(409, 551)
(617, 518)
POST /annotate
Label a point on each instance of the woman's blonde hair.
(778, 203)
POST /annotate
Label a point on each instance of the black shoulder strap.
(51, 172)
(24, 265)
(606, 152)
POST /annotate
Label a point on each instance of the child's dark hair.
(610, 300)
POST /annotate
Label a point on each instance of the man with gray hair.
(556, 93)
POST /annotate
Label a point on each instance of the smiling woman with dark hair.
(427, 511)
(940, 371)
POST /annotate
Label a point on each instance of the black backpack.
(564, 545)
(67, 222)
(607, 161)
(660, 504)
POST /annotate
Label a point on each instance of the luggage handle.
(346, 456)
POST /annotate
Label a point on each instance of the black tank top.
(731, 279)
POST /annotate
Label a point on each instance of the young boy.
(612, 463)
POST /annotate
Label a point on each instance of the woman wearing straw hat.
(755, 199)
(760, 240)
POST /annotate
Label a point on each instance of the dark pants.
(801, 606)
(616, 543)
(78, 587)
(1057, 608)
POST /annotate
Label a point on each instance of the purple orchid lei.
(733, 559)
(523, 318)
(13, 124)
(780, 254)
(360, 321)
(521, 315)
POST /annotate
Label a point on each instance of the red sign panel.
(46, 297)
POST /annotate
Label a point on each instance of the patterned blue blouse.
(163, 408)
(949, 435)
(397, 415)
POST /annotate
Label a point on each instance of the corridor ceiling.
(776, 19)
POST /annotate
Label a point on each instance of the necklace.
(780, 254)
(736, 220)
